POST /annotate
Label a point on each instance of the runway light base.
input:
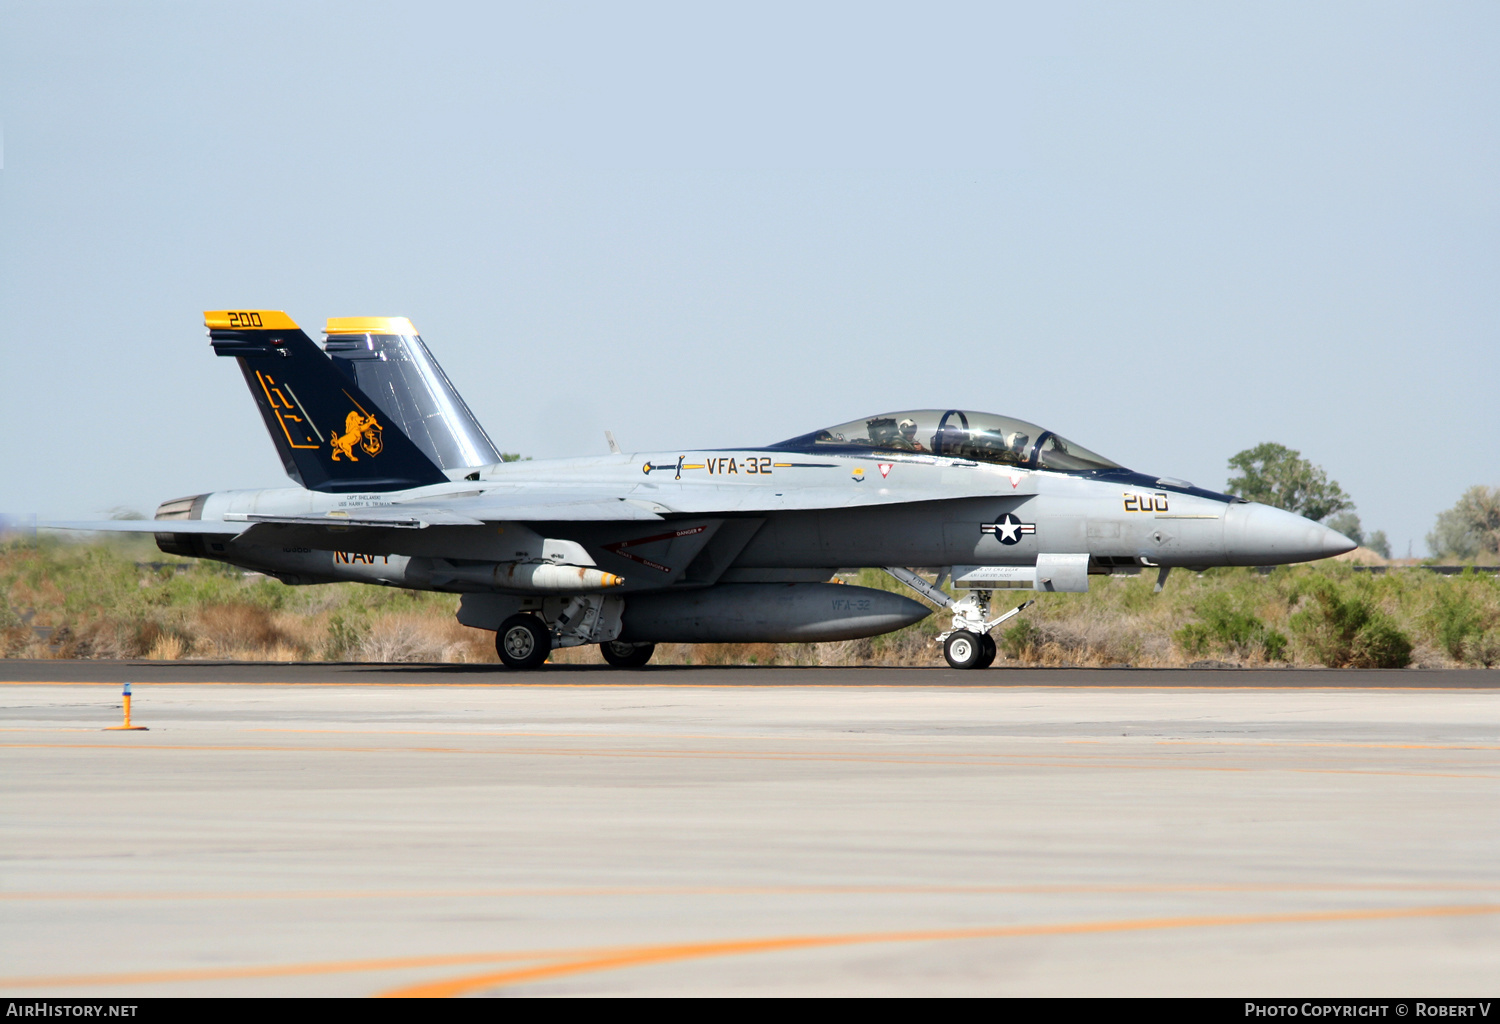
(127, 727)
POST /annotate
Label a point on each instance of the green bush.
(1020, 639)
(1483, 649)
(344, 636)
(1226, 629)
(1347, 630)
(1455, 618)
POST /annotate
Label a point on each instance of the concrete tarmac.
(351, 830)
(365, 673)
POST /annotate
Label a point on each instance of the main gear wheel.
(523, 643)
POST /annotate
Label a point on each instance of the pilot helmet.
(908, 428)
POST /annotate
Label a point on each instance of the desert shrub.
(14, 634)
(1342, 629)
(1021, 641)
(238, 626)
(345, 635)
(1483, 649)
(402, 639)
(1224, 628)
(1380, 644)
(1455, 617)
(416, 637)
(101, 598)
(14, 640)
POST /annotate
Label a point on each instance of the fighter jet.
(398, 485)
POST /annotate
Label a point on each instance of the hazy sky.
(1168, 232)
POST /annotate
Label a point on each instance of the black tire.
(964, 649)
(991, 650)
(523, 643)
(622, 655)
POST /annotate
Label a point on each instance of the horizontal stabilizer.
(149, 526)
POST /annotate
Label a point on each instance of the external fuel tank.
(766, 613)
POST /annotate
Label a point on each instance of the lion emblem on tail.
(358, 430)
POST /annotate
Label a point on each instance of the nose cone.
(1256, 534)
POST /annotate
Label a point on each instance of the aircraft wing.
(525, 502)
(413, 516)
(475, 509)
(534, 503)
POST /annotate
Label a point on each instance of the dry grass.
(94, 600)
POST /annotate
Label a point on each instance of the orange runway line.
(562, 962)
(280, 970)
(918, 760)
(750, 686)
(673, 953)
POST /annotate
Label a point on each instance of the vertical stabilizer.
(331, 435)
(386, 357)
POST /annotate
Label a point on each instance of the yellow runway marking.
(789, 756)
(677, 952)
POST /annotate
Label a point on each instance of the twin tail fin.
(331, 436)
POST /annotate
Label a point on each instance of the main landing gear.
(523, 642)
(622, 655)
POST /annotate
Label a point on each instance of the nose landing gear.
(968, 644)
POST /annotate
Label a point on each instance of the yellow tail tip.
(369, 325)
(248, 320)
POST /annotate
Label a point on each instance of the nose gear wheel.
(991, 649)
(964, 649)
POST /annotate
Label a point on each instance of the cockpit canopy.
(956, 433)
